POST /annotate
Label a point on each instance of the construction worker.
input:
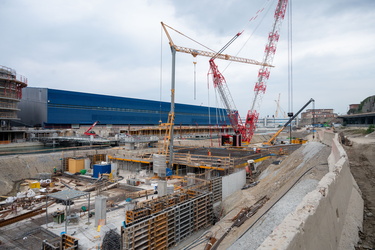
(248, 167)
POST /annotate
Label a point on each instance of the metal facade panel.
(33, 106)
(51, 106)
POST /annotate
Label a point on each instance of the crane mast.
(264, 72)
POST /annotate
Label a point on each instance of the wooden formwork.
(171, 227)
(69, 242)
(158, 204)
(216, 188)
(191, 193)
(136, 236)
(183, 197)
(158, 231)
(138, 194)
(202, 211)
(136, 214)
(203, 161)
(166, 228)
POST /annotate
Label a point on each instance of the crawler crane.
(232, 111)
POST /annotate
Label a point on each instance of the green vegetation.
(359, 110)
(359, 131)
(370, 129)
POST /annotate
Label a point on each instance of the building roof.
(358, 115)
(68, 194)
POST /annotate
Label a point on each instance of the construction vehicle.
(89, 131)
(271, 141)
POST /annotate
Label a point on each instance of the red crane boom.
(87, 132)
(264, 72)
(220, 84)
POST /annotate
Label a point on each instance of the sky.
(117, 47)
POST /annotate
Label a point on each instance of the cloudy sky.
(117, 47)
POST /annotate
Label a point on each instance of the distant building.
(366, 106)
(362, 114)
(318, 116)
(360, 119)
(11, 85)
(52, 108)
(353, 106)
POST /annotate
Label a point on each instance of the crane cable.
(195, 80)
(182, 34)
(268, 8)
(161, 72)
(290, 58)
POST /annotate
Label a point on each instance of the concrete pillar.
(87, 163)
(162, 188)
(114, 169)
(208, 174)
(190, 181)
(129, 145)
(100, 209)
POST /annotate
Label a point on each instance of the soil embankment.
(360, 150)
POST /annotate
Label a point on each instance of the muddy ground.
(361, 152)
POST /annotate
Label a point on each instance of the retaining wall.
(15, 168)
(328, 217)
(233, 182)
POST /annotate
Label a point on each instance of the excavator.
(271, 141)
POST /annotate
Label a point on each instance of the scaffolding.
(11, 85)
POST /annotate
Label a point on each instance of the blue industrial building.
(52, 108)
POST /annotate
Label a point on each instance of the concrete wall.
(326, 136)
(328, 217)
(233, 183)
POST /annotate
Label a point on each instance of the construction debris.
(111, 241)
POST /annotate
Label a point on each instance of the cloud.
(118, 48)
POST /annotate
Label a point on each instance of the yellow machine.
(299, 141)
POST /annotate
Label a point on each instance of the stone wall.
(328, 217)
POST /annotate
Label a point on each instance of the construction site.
(91, 172)
(220, 198)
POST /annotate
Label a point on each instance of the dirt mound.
(362, 164)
